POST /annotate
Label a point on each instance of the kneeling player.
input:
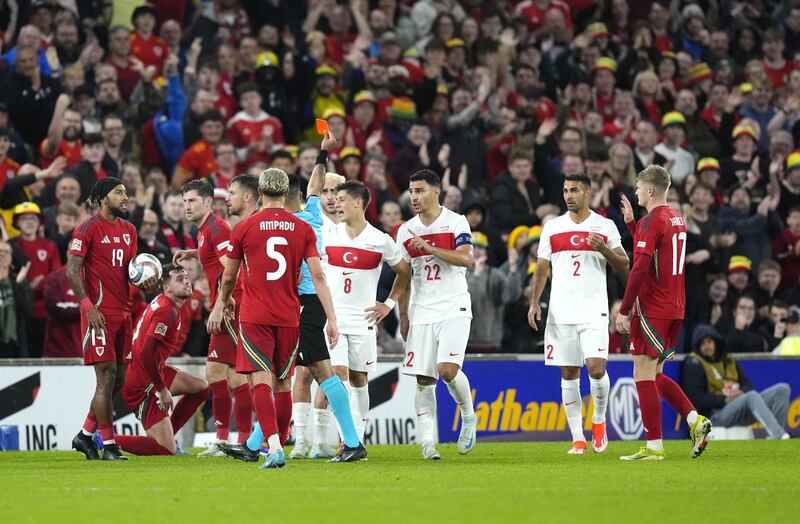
(577, 246)
(151, 383)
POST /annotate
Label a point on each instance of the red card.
(322, 126)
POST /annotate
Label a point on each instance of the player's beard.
(119, 213)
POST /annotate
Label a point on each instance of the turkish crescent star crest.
(344, 257)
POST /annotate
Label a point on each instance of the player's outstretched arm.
(224, 300)
(460, 256)
(317, 180)
(539, 281)
(380, 310)
(641, 265)
(94, 318)
(184, 254)
(324, 295)
(616, 257)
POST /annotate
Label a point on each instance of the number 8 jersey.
(438, 289)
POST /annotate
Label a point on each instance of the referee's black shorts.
(312, 347)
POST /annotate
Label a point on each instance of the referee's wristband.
(322, 157)
(390, 303)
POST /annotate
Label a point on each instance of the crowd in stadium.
(501, 98)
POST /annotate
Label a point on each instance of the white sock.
(301, 412)
(462, 394)
(359, 404)
(425, 404)
(600, 388)
(655, 445)
(691, 418)
(86, 433)
(322, 420)
(274, 442)
(571, 398)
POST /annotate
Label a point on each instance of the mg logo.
(626, 418)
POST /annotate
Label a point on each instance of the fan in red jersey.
(97, 266)
(656, 294)
(151, 382)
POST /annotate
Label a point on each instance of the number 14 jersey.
(353, 269)
(438, 289)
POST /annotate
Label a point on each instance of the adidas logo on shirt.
(105, 240)
(213, 354)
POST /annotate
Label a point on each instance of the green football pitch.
(753, 481)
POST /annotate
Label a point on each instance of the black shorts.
(312, 347)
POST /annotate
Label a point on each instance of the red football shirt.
(273, 244)
(161, 321)
(151, 51)
(72, 153)
(199, 159)
(662, 234)
(106, 249)
(212, 244)
(8, 169)
(127, 79)
(243, 130)
(44, 258)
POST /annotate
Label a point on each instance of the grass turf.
(751, 481)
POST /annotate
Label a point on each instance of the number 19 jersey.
(438, 289)
(578, 294)
(353, 270)
(271, 244)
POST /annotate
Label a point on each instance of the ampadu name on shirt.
(276, 225)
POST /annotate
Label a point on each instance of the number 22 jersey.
(438, 289)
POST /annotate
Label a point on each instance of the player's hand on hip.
(214, 323)
(95, 320)
(623, 324)
(596, 242)
(627, 210)
(164, 400)
(150, 285)
(534, 314)
(332, 332)
(376, 313)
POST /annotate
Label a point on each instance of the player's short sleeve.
(462, 232)
(189, 160)
(402, 236)
(391, 253)
(134, 240)
(81, 240)
(310, 250)
(222, 239)
(545, 249)
(614, 239)
(647, 236)
(235, 243)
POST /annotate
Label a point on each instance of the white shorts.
(571, 344)
(356, 352)
(430, 344)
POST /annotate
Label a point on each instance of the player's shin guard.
(221, 405)
(265, 412)
(89, 425)
(301, 412)
(359, 404)
(283, 410)
(340, 404)
(185, 408)
(600, 388)
(461, 393)
(674, 395)
(140, 445)
(243, 411)
(425, 404)
(571, 398)
(650, 405)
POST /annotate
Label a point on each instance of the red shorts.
(144, 402)
(656, 337)
(222, 347)
(113, 344)
(267, 348)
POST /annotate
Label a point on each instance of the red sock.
(283, 407)
(139, 445)
(90, 424)
(243, 411)
(265, 409)
(107, 433)
(185, 408)
(221, 405)
(650, 405)
(672, 393)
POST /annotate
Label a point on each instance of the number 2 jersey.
(438, 289)
(578, 294)
(353, 270)
(662, 234)
(106, 249)
(271, 244)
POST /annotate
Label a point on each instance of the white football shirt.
(438, 289)
(353, 270)
(578, 293)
